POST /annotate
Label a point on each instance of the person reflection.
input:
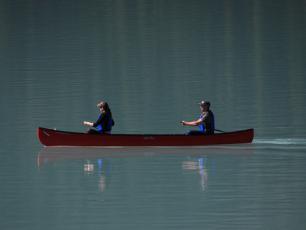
(198, 165)
(102, 178)
(102, 183)
(89, 168)
(203, 173)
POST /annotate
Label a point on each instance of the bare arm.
(192, 123)
(87, 123)
(98, 122)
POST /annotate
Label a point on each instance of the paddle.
(218, 130)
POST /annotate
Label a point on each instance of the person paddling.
(105, 121)
(206, 121)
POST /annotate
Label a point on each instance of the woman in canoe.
(105, 121)
(206, 121)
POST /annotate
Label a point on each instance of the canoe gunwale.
(139, 135)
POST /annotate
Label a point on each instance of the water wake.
(281, 141)
(281, 144)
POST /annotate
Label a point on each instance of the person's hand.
(85, 123)
(183, 122)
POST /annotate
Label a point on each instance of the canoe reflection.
(97, 161)
(51, 154)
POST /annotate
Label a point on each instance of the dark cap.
(202, 103)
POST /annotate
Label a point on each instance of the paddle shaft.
(218, 130)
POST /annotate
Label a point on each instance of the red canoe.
(50, 137)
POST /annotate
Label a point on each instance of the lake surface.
(153, 61)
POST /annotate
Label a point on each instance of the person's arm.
(87, 123)
(192, 123)
(91, 124)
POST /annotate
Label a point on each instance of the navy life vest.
(110, 123)
(211, 128)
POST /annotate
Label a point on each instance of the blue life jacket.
(110, 124)
(202, 127)
(99, 128)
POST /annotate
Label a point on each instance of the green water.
(153, 61)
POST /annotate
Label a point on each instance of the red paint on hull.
(50, 137)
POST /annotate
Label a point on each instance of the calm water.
(153, 61)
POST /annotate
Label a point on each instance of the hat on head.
(202, 103)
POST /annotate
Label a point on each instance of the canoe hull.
(50, 137)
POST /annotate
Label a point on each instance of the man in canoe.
(105, 121)
(206, 121)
